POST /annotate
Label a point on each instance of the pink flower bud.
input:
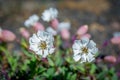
(7, 36)
(115, 40)
(86, 35)
(54, 23)
(82, 30)
(65, 34)
(111, 59)
(38, 26)
(24, 33)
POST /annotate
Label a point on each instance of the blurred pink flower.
(115, 40)
(82, 30)
(65, 34)
(25, 33)
(54, 23)
(110, 58)
(7, 36)
(38, 26)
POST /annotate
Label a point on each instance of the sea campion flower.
(42, 43)
(64, 25)
(51, 30)
(49, 14)
(31, 20)
(84, 50)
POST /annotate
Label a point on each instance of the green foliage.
(58, 66)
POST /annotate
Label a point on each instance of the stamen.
(43, 45)
(84, 50)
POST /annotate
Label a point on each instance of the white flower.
(31, 20)
(49, 14)
(42, 43)
(51, 30)
(84, 50)
(63, 25)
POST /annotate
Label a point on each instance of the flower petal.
(77, 57)
(84, 41)
(51, 50)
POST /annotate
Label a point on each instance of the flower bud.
(111, 59)
(115, 40)
(7, 36)
(82, 30)
(65, 34)
(38, 26)
(25, 33)
(54, 23)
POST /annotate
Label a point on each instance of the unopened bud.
(82, 30)
(7, 36)
(65, 34)
(25, 33)
(111, 59)
(54, 23)
(38, 26)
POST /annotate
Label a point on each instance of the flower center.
(84, 50)
(43, 45)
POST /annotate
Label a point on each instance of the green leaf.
(80, 68)
(102, 75)
(51, 63)
(28, 54)
(73, 77)
(41, 69)
(69, 76)
(93, 69)
(51, 72)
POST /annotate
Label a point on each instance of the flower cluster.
(42, 43)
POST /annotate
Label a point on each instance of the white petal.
(76, 52)
(91, 44)
(93, 50)
(90, 57)
(51, 30)
(45, 54)
(83, 58)
(40, 52)
(34, 47)
(77, 57)
(34, 39)
(34, 17)
(27, 23)
(77, 45)
(51, 50)
(49, 14)
(63, 25)
(84, 41)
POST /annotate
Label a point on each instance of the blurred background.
(102, 17)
